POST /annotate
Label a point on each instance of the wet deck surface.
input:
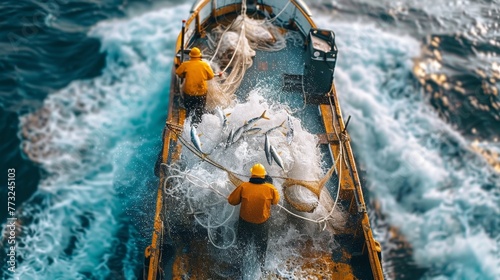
(269, 70)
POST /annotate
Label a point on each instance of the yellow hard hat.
(195, 52)
(258, 170)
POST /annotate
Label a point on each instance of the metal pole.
(346, 124)
(182, 39)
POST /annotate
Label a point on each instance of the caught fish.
(239, 132)
(274, 128)
(276, 157)
(252, 130)
(289, 134)
(195, 139)
(267, 149)
(230, 138)
(263, 116)
(222, 117)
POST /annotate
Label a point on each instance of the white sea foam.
(423, 173)
(86, 142)
(83, 137)
(207, 187)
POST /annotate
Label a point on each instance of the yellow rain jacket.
(256, 200)
(196, 72)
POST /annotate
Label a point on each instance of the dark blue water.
(38, 58)
(70, 124)
(83, 95)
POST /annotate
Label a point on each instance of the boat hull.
(303, 76)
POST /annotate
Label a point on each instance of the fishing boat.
(276, 104)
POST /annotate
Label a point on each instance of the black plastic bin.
(320, 61)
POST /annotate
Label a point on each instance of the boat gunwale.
(230, 8)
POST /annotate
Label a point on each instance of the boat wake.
(431, 186)
(83, 221)
(94, 137)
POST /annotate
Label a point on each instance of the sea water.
(437, 196)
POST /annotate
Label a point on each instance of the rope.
(339, 172)
(204, 157)
(190, 200)
(217, 165)
(249, 32)
(276, 16)
(219, 44)
(222, 247)
(235, 51)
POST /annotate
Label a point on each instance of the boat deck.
(280, 73)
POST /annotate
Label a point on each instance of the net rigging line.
(236, 181)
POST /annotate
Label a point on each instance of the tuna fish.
(252, 130)
(195, 139)
(276, 157)
(289, 134)
(276, 127)
(239, 132)
(263, 116)
(230, 137)
(222, 117)
(267, 149)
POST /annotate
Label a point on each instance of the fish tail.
(264, 115)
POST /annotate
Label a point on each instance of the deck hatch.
(292, 82)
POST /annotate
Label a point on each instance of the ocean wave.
(428, 181)
(82, 137)
(436, 185)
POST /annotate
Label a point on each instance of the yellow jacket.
(256, 200)
(196, 72)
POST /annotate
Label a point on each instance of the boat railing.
(284, 12)
(351, 191)
(291, 12)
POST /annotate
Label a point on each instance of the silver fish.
(274, 128)
(267, 149)
(230, 138)
(252, 130)
(239, 132)
(195, 139)
(289, 134)
(276, 157)
(222, 117)
(263, 116)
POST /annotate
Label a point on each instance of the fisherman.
(256, 197)
(196, 72)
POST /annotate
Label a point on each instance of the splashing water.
(429, 183)
(200, 189)
(75, 227)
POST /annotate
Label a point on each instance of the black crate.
(320, 61)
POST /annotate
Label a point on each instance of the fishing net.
(303, 195)
(197, 187)
(234, 52)
(204, 203)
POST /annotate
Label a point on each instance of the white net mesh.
(234, 52)
(199, 189)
